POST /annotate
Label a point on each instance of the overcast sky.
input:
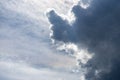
(59, 39)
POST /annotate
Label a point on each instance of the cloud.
(20, 71)
(96, 29)
(62, 31)
(19, 32)
(24, 38)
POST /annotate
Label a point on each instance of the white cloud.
(19, 71)
(24, 38)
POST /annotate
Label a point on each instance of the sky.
(59, 39)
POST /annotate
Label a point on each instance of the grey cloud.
(98, 29)
(62, 31)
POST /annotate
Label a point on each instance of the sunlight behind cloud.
(26, 52)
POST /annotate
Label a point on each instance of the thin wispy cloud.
(26, 52)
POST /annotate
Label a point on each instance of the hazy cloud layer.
(97, 29)
(25, 49)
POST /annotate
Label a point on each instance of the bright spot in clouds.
(26, 52)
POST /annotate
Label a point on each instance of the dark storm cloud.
(98, 29)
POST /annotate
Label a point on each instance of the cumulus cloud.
(96, 28)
